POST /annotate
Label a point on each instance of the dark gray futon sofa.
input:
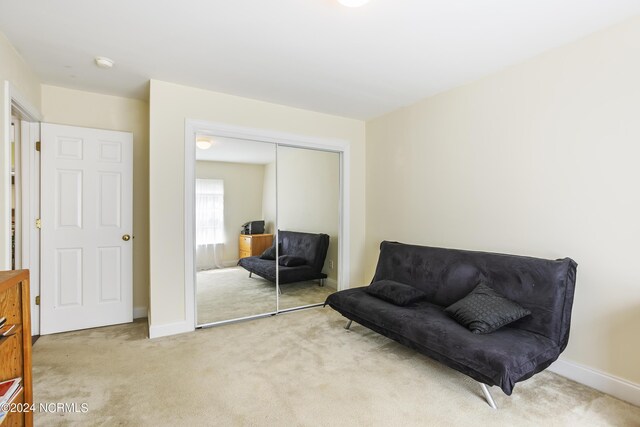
(310, 246)
(502, 358)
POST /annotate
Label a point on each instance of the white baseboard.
(157, 331)
(225, 264)
(606, 383)
(140, 312)
(332, 283)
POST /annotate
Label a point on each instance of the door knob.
(126, 237)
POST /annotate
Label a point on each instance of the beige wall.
(540, 159)
(88, 109)
(308, 197)
(269, 201)
(170, 105)
(243, 185)
(15, 70)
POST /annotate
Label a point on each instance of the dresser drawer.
(253, 244)
(244, 243)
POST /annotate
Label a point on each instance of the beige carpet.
(229, 293)
(300, 368)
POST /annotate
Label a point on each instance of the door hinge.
(38, 300)
(37, 145)
(38, 223)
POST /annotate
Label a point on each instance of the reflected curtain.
(209, 223)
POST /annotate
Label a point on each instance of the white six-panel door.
(87, 219)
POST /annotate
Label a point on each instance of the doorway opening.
(21, 238)
(16, 235)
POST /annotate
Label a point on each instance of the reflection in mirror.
(231, 190)
(308, 224)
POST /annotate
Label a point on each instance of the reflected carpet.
(229, 293)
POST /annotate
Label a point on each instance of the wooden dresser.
(254, 244)
(15, 349)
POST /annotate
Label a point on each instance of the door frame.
(194, 127)
(30, 201)
(15, 102)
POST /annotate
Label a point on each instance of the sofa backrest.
(310, 246)
(545, 287)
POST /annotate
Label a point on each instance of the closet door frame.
(193, 127)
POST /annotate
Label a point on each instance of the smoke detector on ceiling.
(104, 62)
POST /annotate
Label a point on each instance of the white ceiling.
(312, 54)
(238, 151)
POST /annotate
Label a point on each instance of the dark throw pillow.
(291, 261)
(484, 310)
(269, 253)
(395, 292)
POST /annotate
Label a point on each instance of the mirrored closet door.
(308, 225)
(235, 202)
(267, 220)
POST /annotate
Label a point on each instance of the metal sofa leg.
(348, 325)
(250, 273)
(487, 396)
(322, 282)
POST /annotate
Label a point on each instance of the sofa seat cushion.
(267, 269)
(502, 358)
(395, 292)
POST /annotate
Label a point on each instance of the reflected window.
(209, 211)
